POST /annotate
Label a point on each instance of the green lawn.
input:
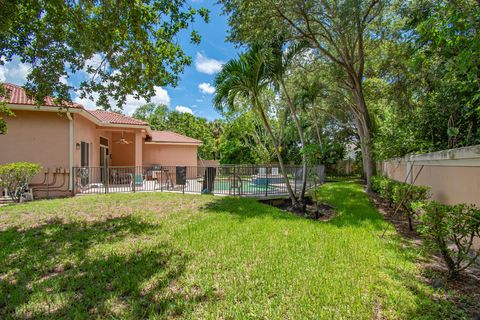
(163, 255)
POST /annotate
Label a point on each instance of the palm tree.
(279, 61)
(246, 78)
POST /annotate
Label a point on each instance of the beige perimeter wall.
(453, 175)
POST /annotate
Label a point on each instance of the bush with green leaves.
(387, 189)
(450, 230)
(377, 183)
(400, 195)
(15, 178)
(404, 195)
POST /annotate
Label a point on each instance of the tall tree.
(426, 78)
(339, 31)
(246, 78)
(279, 60)
(126, 47)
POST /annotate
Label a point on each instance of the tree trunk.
(302, 142)
(291, 194)
(369, 163)
(362, 146)
(319, 136)
(452, 270)
(366, 123)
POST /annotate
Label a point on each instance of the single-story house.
(63, 138)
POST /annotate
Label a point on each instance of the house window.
(85, 154)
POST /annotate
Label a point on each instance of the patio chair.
(162, 177)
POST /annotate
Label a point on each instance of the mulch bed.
(434, 270)
(320, 212)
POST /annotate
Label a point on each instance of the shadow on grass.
(51, 272)
(245, 208)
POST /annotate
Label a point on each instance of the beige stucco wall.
(451, 180)
(451, 185)
(123, 154)
(40, 137)
(36, 136)
(170, 155)
(85, 131)
(395, 170)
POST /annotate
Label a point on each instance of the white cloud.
(206, 65)
(131, 104)
(183, 109)
(63, 79)
(2, 74)
(87, 103)
(93, 62)
(206, 88)
(15, 71)
(161, 97)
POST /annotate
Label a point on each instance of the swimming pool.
(247, 186)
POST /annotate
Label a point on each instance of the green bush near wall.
(15, 178)
(400, 195)
(449, 230)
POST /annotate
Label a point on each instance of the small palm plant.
(247, 79)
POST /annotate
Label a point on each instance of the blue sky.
(195, 89)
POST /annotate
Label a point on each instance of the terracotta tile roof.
(169, 136)
(18, 95)
(115, 118)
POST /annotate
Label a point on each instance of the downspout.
(70, 150)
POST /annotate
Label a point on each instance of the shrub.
(377, 183)
(387, 190)
(404, 195)
(400, 194)
(450, 230)
(15, 178)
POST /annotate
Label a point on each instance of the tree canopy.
(126, 47)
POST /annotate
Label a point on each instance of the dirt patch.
(396, 218)
(463, 291)
(314, 211)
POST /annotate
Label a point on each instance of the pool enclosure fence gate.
(237, 180)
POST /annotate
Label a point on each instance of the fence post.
(107, 176)
(233, 182)
(295, 179)
(133, 178)
(161, 179)
(266, 182)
